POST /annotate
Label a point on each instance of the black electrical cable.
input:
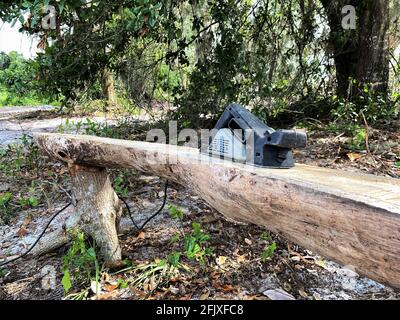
(37, 240)
(152, 216)
(63, 209)
(129, 212)
(159, 210)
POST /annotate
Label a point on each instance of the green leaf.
(175, 212)
(66, 281)
(397, 164)
(268, 252)
(122, 283)
(175, 238)
(266, 236)
(196, 229)
(27, 4)
(5, 199)
(91, 254)
(152, 21)
(61, 6)
(33, 202)
(174, 258)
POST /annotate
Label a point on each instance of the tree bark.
(108, 89)
(97, 213)
(361, 54)
(98, 208)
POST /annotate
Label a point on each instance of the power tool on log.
(242, 137)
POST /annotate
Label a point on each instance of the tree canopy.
(275, 56)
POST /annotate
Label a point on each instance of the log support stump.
(98, 208)
(97, 213)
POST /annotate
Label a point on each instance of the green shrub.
(80, 264)
(19, 84)
(358, 140)
(195, 244)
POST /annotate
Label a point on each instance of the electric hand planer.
(242, 137)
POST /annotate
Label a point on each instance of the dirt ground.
(234, 270)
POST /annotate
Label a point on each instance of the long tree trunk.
(352, 218)
(361, 54)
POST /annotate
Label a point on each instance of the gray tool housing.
(242, 137)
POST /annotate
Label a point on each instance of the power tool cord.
(152, 216)
(64, 208)
(37, 240)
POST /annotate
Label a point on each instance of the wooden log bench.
(351, 218)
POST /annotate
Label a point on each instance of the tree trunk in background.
(107, 86)
(361, 54)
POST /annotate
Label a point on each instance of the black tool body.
(259, 144)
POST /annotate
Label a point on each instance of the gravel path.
(13, 126)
